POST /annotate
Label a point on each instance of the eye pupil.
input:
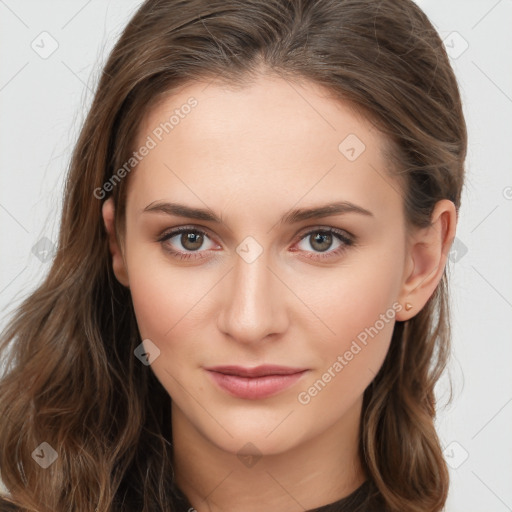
(319, 238)
(196, 239)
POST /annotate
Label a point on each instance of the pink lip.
(255, 383)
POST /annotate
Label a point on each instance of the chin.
(250, 443)
(265, 434)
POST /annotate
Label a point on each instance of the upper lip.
(256, 371)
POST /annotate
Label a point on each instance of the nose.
(254, 302)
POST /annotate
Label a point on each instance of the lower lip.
(253, 388)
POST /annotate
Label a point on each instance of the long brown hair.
(71, 379)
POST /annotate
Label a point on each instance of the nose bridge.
(253, 307)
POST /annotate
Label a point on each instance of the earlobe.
(428, 253)
(118, 263)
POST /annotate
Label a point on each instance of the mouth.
(255, 383)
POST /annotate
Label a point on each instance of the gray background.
(43, 103)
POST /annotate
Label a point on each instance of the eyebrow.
(291, 217)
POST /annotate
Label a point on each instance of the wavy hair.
(71, 378)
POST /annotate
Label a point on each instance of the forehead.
(272, 140)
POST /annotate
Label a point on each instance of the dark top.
(363, 499)
(357, 501)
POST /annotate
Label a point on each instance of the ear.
(427, 254)
(118, 262)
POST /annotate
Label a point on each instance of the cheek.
(154, 304)
(351, 358)
(357, 307)
(352, 297)
(161, 293)
(169, 305)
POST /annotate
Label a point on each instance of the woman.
(248, 307)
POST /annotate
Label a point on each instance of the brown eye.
(191, 240)
(186, 243)
(321, 241)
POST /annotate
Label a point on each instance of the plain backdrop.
(51, 53)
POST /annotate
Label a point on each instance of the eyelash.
(347, 241)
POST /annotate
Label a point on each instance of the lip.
(257, 382)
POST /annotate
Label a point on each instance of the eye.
(322, 239)
(189, 243)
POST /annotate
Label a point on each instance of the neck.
(321, 470)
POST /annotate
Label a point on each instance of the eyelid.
(342, 232)
(172, 232)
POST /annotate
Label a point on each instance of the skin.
(250, 155)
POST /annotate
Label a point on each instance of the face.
(258, 278)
